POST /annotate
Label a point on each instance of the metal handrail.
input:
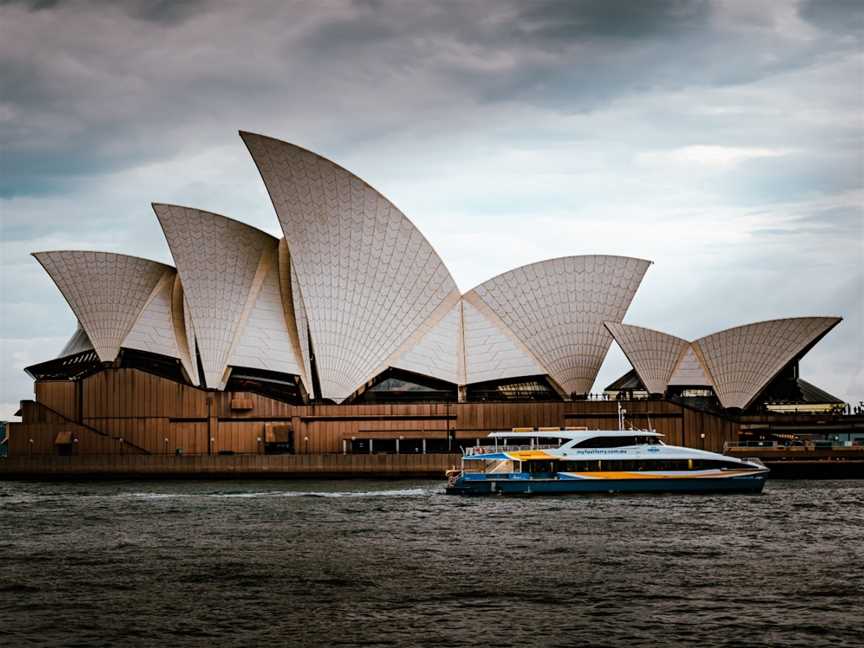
(481, 450)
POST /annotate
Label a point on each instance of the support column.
(212, 425)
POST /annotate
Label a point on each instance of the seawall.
(329, 466)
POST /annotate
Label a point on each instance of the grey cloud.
(840, 222)
(840, 16)
(566, 21)
(109, 92)
(521, 121)
(793, 177)
(157, 11)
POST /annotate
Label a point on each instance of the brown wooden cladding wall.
(162, 416)
(717, 430)
(59, 395)
(37, 435)
(127, 393)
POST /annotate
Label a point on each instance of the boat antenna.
(621, 413)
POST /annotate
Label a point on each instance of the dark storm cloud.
(840, 16)
(99, 86)
(566, 21)
(157, 11)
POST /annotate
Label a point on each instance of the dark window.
(623, 465)
(384, 446)
(580, 466)
(713, 464)
(359, 445)
(272, 384)
(410, 446)
(71, 367)
(154, 363)
(529, 388)
(616, 442)
(377, 446)
(399, 386)
(438, 445)
(539, 466)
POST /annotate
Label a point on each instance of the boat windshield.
(617, 441)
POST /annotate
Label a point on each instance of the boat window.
(641, 465)
(539, 466)
(616, 441)
(624, 465)
(706, 464)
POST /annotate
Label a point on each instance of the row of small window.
(634, 465)
(617, 441)
(400, 446)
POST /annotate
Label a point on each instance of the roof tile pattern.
(302, 329)
(368, 277)
(154, 329)
(689, 371)
(437, 349)
(218, 260)
(557, 309)
(78, 343)
(105, 291)
(653, 354)
(183, 332)
(265, 342)
(742, 360)
(491, 351)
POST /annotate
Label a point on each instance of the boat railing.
(471, 451)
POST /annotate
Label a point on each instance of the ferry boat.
(598, 461)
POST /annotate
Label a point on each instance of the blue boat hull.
(744, 484)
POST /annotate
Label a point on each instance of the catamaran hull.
(743, 484)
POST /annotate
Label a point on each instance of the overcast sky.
(721, 140)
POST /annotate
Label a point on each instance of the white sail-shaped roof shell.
(492, 351)
(153, 330)
(435, 348)
(183, 331)
(690, 372)
(78, 343)
(295, 311)
(106, 291)
(368, 277)
(224, 265)
(654, 355)
(557, 309)
(265, 341)
(744, 359)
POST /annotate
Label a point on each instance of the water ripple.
(365, 563)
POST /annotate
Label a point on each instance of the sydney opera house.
(348, 335)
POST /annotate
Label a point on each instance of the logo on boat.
(653, 449)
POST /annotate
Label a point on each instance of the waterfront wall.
(130, 413)
(432, 466)
(127, 411)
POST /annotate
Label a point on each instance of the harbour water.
(349, 563)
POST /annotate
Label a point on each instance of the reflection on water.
(235, 563)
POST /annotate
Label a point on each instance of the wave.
(399, 492)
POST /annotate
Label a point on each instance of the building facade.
(349, 334)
